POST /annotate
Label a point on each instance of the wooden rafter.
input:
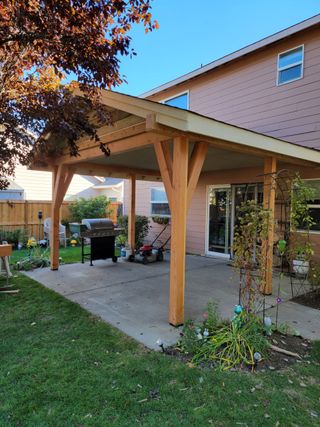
(90, 168)
(116, 143)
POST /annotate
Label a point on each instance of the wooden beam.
(169, 132)
(116, 144)
(61, 179)
(269, 196)
(178, 230)
(89, 168)
(165, 165)
(198, 156)
(132, 214)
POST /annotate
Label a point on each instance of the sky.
(195, 32)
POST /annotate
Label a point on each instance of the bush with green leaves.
(37, 258)
(234, 344)
(314, 277)
(225, 344)
(94, 207)
(142, 227)
(194, 335)
(13, 236)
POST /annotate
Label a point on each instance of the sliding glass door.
(219, 215)
(223, 215)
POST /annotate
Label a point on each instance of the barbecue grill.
(101, 233)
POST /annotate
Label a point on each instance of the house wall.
(37, 185)
(244, 93)
(197, 216)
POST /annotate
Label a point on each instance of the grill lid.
(98, 223)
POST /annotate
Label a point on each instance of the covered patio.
(134, 297)
(152, 141)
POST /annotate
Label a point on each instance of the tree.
(45, 43)
(94, 207)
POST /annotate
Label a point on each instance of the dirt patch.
(311, 299)
(273, 360)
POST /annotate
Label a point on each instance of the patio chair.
(47, 232)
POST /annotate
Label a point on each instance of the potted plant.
(301, 255)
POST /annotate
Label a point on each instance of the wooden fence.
(24, 214)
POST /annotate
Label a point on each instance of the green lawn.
(61, 366)
(69, 254)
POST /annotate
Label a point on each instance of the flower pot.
(300, 267)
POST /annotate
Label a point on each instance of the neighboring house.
(272, 87)
(37, 185)
(112, 188)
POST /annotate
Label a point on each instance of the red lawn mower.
(150, 253)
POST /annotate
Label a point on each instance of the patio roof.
(140, 122)
(153, 141)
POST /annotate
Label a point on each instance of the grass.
(61, 366)
(69, 254)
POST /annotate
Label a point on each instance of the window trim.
(155, 203)
(185, 92)
(299, 230)
(291, 65)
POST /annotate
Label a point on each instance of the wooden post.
(180, 180)
(61, 178)
(54, 238)
(178, 229)
(269, 197)
(132, 214)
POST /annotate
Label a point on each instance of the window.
(180, 101)
(314, 205)
(290, 65)
(159, 202)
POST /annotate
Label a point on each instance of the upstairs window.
(180, 101)
(159, 202)
(290, 65)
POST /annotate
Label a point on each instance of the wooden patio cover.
(153, 141)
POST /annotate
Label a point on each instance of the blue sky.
(195, 32)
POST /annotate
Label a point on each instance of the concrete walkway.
(134, 297)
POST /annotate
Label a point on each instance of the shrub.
(14, 236)
(94, 207)
(38, 258)
(142, 227)
(234, 344)
(314, 277)
(162, 220)
(194, 336)
(225, 344)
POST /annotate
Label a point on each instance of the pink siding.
(143, 207)
(245, 93)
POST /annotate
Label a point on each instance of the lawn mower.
(150, 253)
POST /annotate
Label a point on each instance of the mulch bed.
(311, 299)
(274, 360)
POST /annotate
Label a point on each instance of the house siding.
(245, 93)
(37, 185)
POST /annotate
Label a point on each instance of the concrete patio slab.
(134, 297)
